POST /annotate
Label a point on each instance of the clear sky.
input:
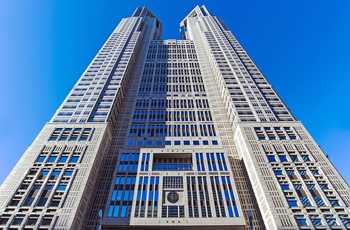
(302, 47)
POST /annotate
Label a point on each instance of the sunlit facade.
(173, 134)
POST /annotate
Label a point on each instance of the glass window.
(285, 187)
(278, 172)
(139, 142)
(56, 173)
(123, 212)
(334, 202)
(128, 180)
(292, 202)
(230, 211)
(46, 221)
(345, 219)
(119, 195)
(44, 173)
(52, 159)
(130, 143)
(316, 220)
(158, 143)
(151, 195)
(126, 195)
(167, 142)
(63, 159)
(31, 221)
(116, 210)
(319, 201)
(294, 158)
(74, 159)
(311, 186)
(205, 142)
(301, 220)
(62, 187)
(215, 142)
(40, 159)
(149, 143)
(195, 142)
(271, 158)
(41, 201)
(110, 211)
(17, 221)
(131, 196)
(283, 158)
(177, 142)
(331, 221)
(186, 142)
(305, 158)
(324, 186)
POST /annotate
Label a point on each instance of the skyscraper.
(173, 134)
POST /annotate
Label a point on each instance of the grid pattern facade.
(53, 177)
(174, 134)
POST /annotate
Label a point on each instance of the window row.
(167, 103)
(162, 115)
(327, 219)
(171, 79)
(171, 88)
(71, 134)
(175, 65)
(272, 133)
(171, 130)
(150, 143)
(171, 71)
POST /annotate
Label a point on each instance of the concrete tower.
(173, 134)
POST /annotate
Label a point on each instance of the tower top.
(142, 12)
(197, 12)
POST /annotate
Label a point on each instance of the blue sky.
(302, 47)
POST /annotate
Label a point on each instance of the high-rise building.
(173, 134)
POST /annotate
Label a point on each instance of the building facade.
(174, 134)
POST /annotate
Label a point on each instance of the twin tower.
(173, 134)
